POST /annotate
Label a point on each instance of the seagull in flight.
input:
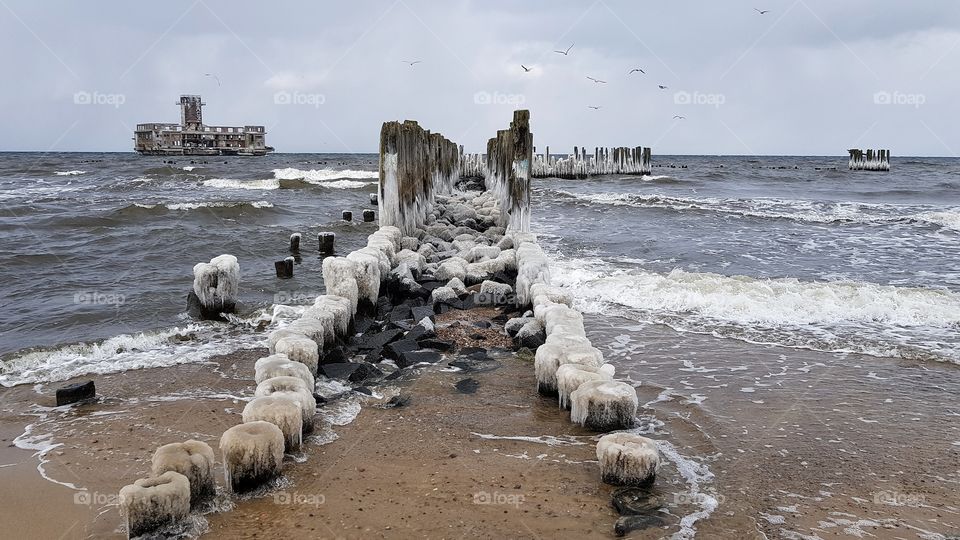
(566, 52)
(526, 69)
(214, 76)
(598, 81)
(678, 117)
(594, 107)
(635, 70)
(662, 87)
(411, 63)
(762, 11)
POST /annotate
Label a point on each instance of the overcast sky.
(808, 77)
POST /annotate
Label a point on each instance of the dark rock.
(471, 365)
(399, 400)
(400, 313)
(418, 333)
(474, 352)
(430, 285)
(422, 312)
(629, 524)
(477, 336)
(364, 390)
(434, 343)
(196, 310)
(393, 376)
(374, 356)
(415, 357)
(533, 341)
(335, 355)
(467, 386)
(76, 392)
(634, 501)
(363, 325)
(481, 324)
(397, 348)
(355, 372)
(378, 340)
(384, 306)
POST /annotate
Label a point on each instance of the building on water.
(194, 138)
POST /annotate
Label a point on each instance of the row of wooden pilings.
(578, 164)
(869, 160)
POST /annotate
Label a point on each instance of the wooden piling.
(347, 215)
(368, 216)
(326, 240)
(284, 268)
(295, 242)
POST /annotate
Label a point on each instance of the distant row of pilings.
(869, 160)
(578, 164)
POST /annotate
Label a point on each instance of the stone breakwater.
(441, 248)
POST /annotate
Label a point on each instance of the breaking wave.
(790, 209)
(329, 178)
(230, 183)
(840, 316)
(69, 173)
(193, 343)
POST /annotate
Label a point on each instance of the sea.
(779, 308)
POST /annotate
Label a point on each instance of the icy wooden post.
(215, 287)
(369, 215)
(509, 155)
(326, 242)
(347, 215)
(295, 242)
(373, 198)
(414, 164)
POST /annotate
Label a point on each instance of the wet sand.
(434, 469)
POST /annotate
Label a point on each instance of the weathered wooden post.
(284, 268)
(368, 215)
(326, 240)
(347, 215)
(295, 242)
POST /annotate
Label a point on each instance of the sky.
(808, 77)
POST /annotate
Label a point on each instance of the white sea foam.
(189, 168)
(69, 173)
(212, 204)
(696, 475)
(122, 353)
(776, 208)
(329, 178)
(851, 316)
(230, 183)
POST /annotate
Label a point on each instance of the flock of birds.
(566, 52)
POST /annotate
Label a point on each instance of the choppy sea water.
(769, 307)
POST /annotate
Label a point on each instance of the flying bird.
(678, 117)
(662, 87)
(594, 107)
(598, 81)
(214, 76)
(411, 63)
(526, 69)
(566, 52)
(762, 12)
(636, 69)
